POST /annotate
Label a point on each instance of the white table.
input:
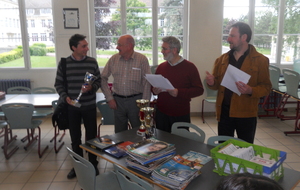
(38, 100)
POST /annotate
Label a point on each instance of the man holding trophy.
(77, 81)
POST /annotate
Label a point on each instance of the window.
(275, 25)
(43, 37)
(43, 23)
(39, 47)
(140, 18)
(32, 23)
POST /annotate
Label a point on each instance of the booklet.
(101, 143)
(159, 81)
(119, 150)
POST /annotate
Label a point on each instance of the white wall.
(204, 41)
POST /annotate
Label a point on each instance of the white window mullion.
(24, 33)
(154, 32)
(123, 16)
(186, 27)
(92, 30)
(280, 27)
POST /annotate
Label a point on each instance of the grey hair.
(173, 42)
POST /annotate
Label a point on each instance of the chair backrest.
(274, 76)
(214, 140)
(43, 90)
(153, 68)
(176, 130)
(18, 115)
(19, 90)
(210, 94)
(292, 79)
(106, 112)
(130, 181)
(85, 171)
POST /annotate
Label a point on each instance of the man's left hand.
(244, 88)
(173, 92)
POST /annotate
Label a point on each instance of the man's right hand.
(210, 79)
(112, 104)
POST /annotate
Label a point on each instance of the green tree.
(138, 22)
(104, 27)
(173, 17)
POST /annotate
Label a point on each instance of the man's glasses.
(165, 49)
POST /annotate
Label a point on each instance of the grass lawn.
(50, 61)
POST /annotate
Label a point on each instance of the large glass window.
(26, 33)
(146, 20)
(275, 25)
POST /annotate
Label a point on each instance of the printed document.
(159, 81)
(233, 75)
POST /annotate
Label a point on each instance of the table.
(207, 180)
(38, 100)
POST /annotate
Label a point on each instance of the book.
(178, 172)
(149, 148)
(146, 168)
(101, 143)
(118, 150)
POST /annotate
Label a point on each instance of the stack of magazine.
(148, 154)
(178, 172)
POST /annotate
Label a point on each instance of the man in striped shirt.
(128, 69)
(77, 64)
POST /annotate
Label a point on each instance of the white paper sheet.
(159, 81)
(233, 75)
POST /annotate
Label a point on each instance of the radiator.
(7, 83)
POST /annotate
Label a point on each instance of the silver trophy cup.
(88, 79)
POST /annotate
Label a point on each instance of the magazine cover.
(177, 169)
(149, 148)
(118, 150)
(197, 157)
(101, 143)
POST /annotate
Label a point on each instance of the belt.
(130, 96)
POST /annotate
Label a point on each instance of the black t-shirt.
(238, 64)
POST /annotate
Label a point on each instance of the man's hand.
(86, 87)
(243, 88)
(173, 92)
(210, 79)
(156, 90)
(112, 104)
(69, 101)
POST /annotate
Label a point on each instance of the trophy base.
(76, 103)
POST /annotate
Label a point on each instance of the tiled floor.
(25, 171)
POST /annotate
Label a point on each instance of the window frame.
(155, 25)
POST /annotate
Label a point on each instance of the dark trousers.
(244, 127)
(164, 122)
(89, 118)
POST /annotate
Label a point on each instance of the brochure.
(101, 143)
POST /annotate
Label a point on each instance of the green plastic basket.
(226, 164)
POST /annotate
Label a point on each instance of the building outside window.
(13, 34)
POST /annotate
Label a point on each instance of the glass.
(41, 32)
(10, 38)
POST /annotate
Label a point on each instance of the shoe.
(71, 174)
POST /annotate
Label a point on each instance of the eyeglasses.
(165, 49)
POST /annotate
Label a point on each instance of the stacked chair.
(19, 116)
